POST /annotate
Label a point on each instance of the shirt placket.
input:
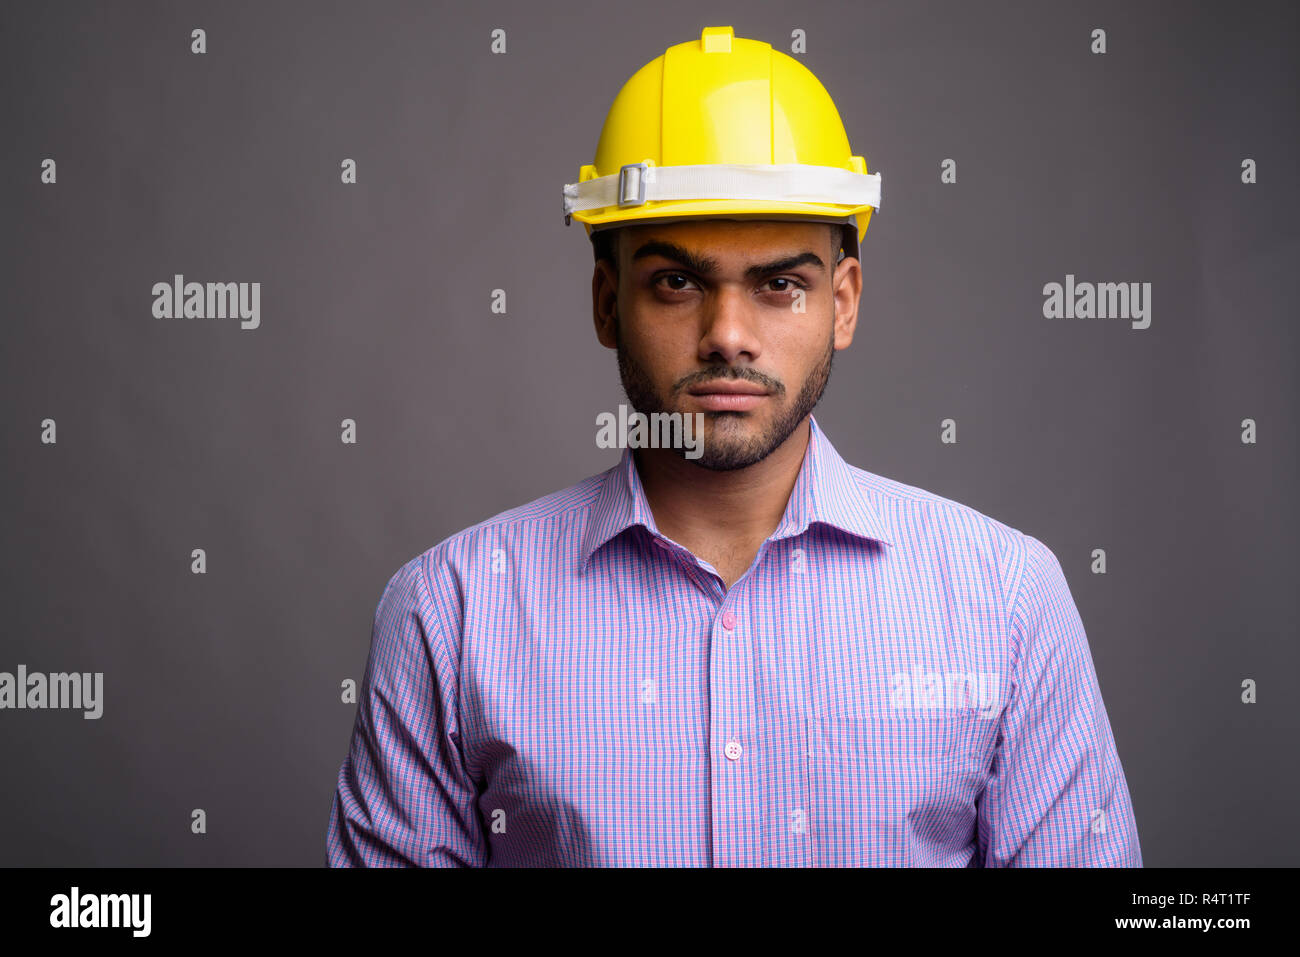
(735, 758)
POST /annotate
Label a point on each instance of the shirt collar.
(826, 491)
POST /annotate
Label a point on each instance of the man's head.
(700, 303)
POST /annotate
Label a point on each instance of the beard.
(728, 447)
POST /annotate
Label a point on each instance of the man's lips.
(728, 388)
(728, 396)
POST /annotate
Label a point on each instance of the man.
(758, 656)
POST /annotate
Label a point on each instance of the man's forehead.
(712, 241)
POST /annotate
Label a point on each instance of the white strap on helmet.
(639, 183)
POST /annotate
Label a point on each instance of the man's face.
(700, 307)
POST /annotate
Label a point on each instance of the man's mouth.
(728, 396)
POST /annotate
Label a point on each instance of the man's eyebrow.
(661, 247)
(705, 266)
(781, 265)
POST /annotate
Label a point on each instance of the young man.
(758, 656)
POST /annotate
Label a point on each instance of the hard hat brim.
(668, 211)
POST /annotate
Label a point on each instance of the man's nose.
(730, 331)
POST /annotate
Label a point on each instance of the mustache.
(723, 373)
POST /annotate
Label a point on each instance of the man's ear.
(604, 304)
(847, 291)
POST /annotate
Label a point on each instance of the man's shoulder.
(936, 524)
(543, 522)
(920, 510)
(560, 507)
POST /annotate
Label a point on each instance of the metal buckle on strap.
(623, 198)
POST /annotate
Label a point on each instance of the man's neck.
(698, 506)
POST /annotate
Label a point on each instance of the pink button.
(661, 543)
(733, 750)
(728, 620)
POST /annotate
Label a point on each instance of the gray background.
(221, 691)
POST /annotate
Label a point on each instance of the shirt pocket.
(895, 788)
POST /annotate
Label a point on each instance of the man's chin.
(727, 458)
(733, 440)
(732, 428)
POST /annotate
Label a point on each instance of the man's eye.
(677, 282)
(790, 283)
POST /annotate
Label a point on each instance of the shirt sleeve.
(404, 797)
(1056, 796)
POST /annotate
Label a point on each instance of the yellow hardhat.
(724, 128)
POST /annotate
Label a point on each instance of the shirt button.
(661, 543)
(733, 750)
(728, 620)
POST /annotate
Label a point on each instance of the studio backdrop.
(1077, 317)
